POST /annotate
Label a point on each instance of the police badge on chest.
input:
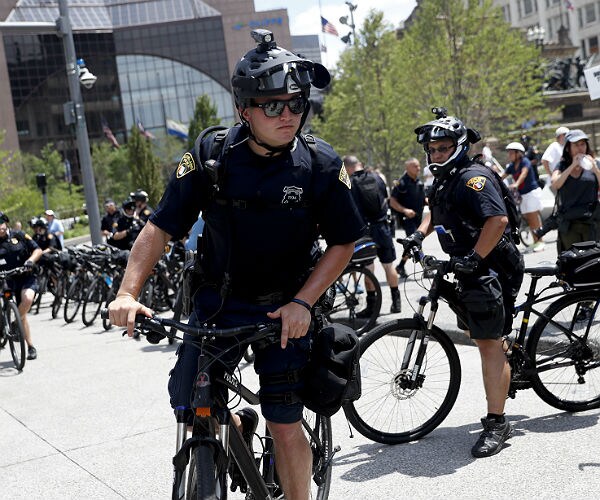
(292, 195)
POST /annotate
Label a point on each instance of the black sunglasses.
(297, 105)
(441, 149)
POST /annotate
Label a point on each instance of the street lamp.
(536, 35)
(344, 20)
(74, 109)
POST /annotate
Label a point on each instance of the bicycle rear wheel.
(390, 410)
(350, 304)
(566, 364)
(59, 293)
(73, 300)
(318, 432)
(15, 334)
(96, 296)
(203, 482)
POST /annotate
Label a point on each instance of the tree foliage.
(111, 171)
(460, 55)
(144, 165)
(205, 115)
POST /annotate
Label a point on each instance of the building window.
(506, 13)
(590, 13)
(593, 45)
(528, 7)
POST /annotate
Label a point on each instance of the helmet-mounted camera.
(440, 112)
(264, 39)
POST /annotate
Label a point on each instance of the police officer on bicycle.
(18, 249)
(469, 214)
(266, 192)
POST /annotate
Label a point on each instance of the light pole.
(536, 35)
(74, 112)
(351, 25)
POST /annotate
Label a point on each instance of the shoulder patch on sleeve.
(476, 183)
(27, 237)
(186, 165)
(344, 178)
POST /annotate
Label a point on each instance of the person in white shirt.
(553, 153)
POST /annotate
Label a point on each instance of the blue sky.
(305, 19)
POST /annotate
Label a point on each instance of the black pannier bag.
(365, 251)
(579, 266)
(332, 376)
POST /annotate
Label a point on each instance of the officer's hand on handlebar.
(415, 240)
(123, 309)
(295, 321)
(467, 264)
(28, 265)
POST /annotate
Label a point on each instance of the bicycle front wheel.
(203, 481)
(95, 298)
(350, 306)
(73, 300)
(394, 408)
(15, 333)
(317, 429)
(564, 348)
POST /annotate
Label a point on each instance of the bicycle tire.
(58, 296)
(37, 299)
(73, 300)
(389, 413)
(202, 481)
(106, 324)
(565, 371)
(318, 431)
(350, 299)
(16, 334)
(94, 299)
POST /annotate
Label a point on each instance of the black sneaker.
(492, 438)
(31, 352)
(365, 313)
(396, 306)
(401, 271)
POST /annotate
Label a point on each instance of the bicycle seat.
(542, 270)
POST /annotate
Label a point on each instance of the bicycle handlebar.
(158, 325)
(15, 271)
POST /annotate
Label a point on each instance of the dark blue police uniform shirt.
(475, 198)
(15, 249)
(530, 182)
(410, 193)
(271, 243)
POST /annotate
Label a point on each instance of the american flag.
(108, 134)
(143, 131)
(327, 27)
(569, 5)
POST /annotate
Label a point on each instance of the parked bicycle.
(411, 371)
(216, 447)
(351, 290)
(11, 326)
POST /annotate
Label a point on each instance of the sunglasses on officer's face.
(271, 109)
(442, 149)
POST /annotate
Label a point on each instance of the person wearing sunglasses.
(469, 214)
(266, 193)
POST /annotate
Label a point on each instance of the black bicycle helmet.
(4, 218)
(269, 70)
(445, 126)
(40, 222)
(128, 204)
(139, 195)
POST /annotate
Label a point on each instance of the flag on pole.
(143, 131)
(177, 129)
(569, 5)
(327, 27)
(108, 133)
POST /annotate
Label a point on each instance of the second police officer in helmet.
(469, 214)
(275, 196)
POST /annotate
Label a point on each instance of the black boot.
(396, 304)
(367, 312)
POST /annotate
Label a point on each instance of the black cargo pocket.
(175, 377)
(482, 298)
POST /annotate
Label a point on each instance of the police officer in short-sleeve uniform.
(277, 191)
(18, 249)
(470, 217)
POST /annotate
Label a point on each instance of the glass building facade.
(152, 59)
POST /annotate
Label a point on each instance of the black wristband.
(302, 303)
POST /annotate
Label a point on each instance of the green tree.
(460, 55)
(111, 171)
(205, 115)
(144, 165)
